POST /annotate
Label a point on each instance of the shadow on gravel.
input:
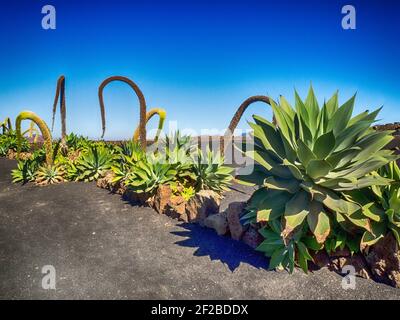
(228, 251)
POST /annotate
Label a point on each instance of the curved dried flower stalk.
(236, 118)
(6, 125)
(142, 105)
(60, 93)
(162, 114)
(44, 129)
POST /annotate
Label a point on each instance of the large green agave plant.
(302, 166)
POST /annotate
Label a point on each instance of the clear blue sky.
(197, 59)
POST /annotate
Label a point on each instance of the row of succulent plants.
(324, 181)
(183, 166)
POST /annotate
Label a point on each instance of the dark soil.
(105, 248)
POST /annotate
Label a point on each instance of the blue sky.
(197, 59)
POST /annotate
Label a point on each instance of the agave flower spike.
(238, 115)
(44, 129)
(32, 130)
(162, 114)
(60, 95)
(6, 125)
(142, 105)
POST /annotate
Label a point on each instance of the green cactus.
(142, 105)
(44, 129)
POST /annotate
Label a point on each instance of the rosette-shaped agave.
(301, 167)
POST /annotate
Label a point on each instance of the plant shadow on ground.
(208, 243)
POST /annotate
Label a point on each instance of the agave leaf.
(396, 233)
(313, 110)
(285, 123)
(259, 136)
(349, 136)
(296, 211)
(265, 160)
(330, 199)
(377, 232)
(289, 150)
(374, 212)
(332, 183)
(275, 226)
(361, 168)
(362, 197)
(289, 185)
(273, 206)
(312, 243)
(303, 119)
(273, 138)
(269, 248)
(359, 219)
(318, 168)
(367, 181)
(249, 217)
(341, 117)
(303, 256)
(267, 233)
(287, 107)
(256, 177)
(293, 169)
(277, 258)
(339, 159)
(365, 116)
(332, 105)
(322, 121)
(258, 196)
(324, 145)
(318, 221)
(372, 144)
(394, 201)
(304, 153)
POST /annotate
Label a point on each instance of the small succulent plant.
(49, 174)
(93, 163)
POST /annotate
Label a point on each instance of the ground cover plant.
(305, 168)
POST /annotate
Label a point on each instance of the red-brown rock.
(233, 213)
(162, 198)
(252, 237)
(204, 203)
(217, 222)
(357, 261)
(384, 260)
